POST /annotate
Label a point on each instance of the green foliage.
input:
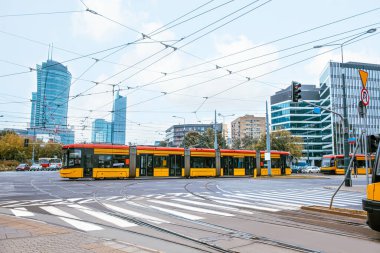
(205, 140)
(12, 148)
(284, 141)
(236, 144)
(163, 144)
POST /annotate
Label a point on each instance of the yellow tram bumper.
(328, 170)
(71, 173)
(362, 171)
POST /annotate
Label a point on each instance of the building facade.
(249, 126)
(175, 134)
(50, 102)
(101, 131)
(119, 119)
(300, 120)
(331, 97)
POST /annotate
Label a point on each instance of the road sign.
(363, 77)
(352, 140)
(362, 110)
(364, 96)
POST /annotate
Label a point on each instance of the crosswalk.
(80, 213)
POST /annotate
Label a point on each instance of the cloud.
(316, 66)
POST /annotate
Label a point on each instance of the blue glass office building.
(101, 131)
(119, 119)
(50, 102)
(331, 97)
(300, 120)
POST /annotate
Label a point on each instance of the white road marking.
(212, 205)
(176, 213)
(21, 212)
(106, 217)
(56, 211)
(82, 225)
(255, 207)
(136, 214)
(85, 201)
(195, 209)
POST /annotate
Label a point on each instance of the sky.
(175, 58)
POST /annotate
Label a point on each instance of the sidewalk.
(354, 188)
(23, 235)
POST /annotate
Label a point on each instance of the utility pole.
(215, 135)
(268, 143)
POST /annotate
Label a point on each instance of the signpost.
(364, 102)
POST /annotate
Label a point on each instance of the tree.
(236, 144)
(163, 144)
(248, 142)
(284, 141)
(192, 139)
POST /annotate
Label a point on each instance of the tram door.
(228, 165)
(249, 163)
(175, 165)
(88, 158)
(146, 165)
(283, 164)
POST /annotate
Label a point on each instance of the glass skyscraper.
(119, 119)
(331, 97)
(50, 102)
(101, 131)
(300, 120)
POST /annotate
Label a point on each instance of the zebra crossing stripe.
(106, 217)
(272, 201)
(136, 214)
(212, 205)
(56, 211)
(21, 212)
(254, 207)
(306, 200)
(176, 213)
(195, 209)
(82, 225)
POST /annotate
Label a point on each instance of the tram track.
(294, 224)
(227, 232)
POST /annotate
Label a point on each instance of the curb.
(359, 214)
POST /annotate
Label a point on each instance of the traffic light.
(296, 91)
(373, 143)
(26, 143)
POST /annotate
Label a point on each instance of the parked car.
(311, 169)
(35, 167)
(22, 167)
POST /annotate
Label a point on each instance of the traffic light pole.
(346, 148)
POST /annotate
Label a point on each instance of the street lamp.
(348, 180)
(225, 116)
(184, 123)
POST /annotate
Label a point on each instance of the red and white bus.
(50, 163)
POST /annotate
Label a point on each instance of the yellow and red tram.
(101, 161)
(334, 164)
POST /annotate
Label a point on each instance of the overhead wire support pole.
(268, 142)
(215, 135)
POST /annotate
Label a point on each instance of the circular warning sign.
(364, 96)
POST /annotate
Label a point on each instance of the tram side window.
(276, 163)
(176, 162)
(360, 163)
(105, 161)
(120, 161)
(238, 162)
(160, 162)
(202, 162)
(250, 163)
(75, 157)
(340, 163)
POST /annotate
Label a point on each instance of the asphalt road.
(196, 215)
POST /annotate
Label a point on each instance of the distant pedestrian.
(355, 168)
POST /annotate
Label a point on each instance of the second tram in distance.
(101, 161)
(334, 164)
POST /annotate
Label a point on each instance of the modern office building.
(176, 133)
(50, 102)
(247, 125)
(101, 131)
(331, 97)
(119, 119)
(300, 120)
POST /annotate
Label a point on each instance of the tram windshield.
(72, 158)
(327, 162)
